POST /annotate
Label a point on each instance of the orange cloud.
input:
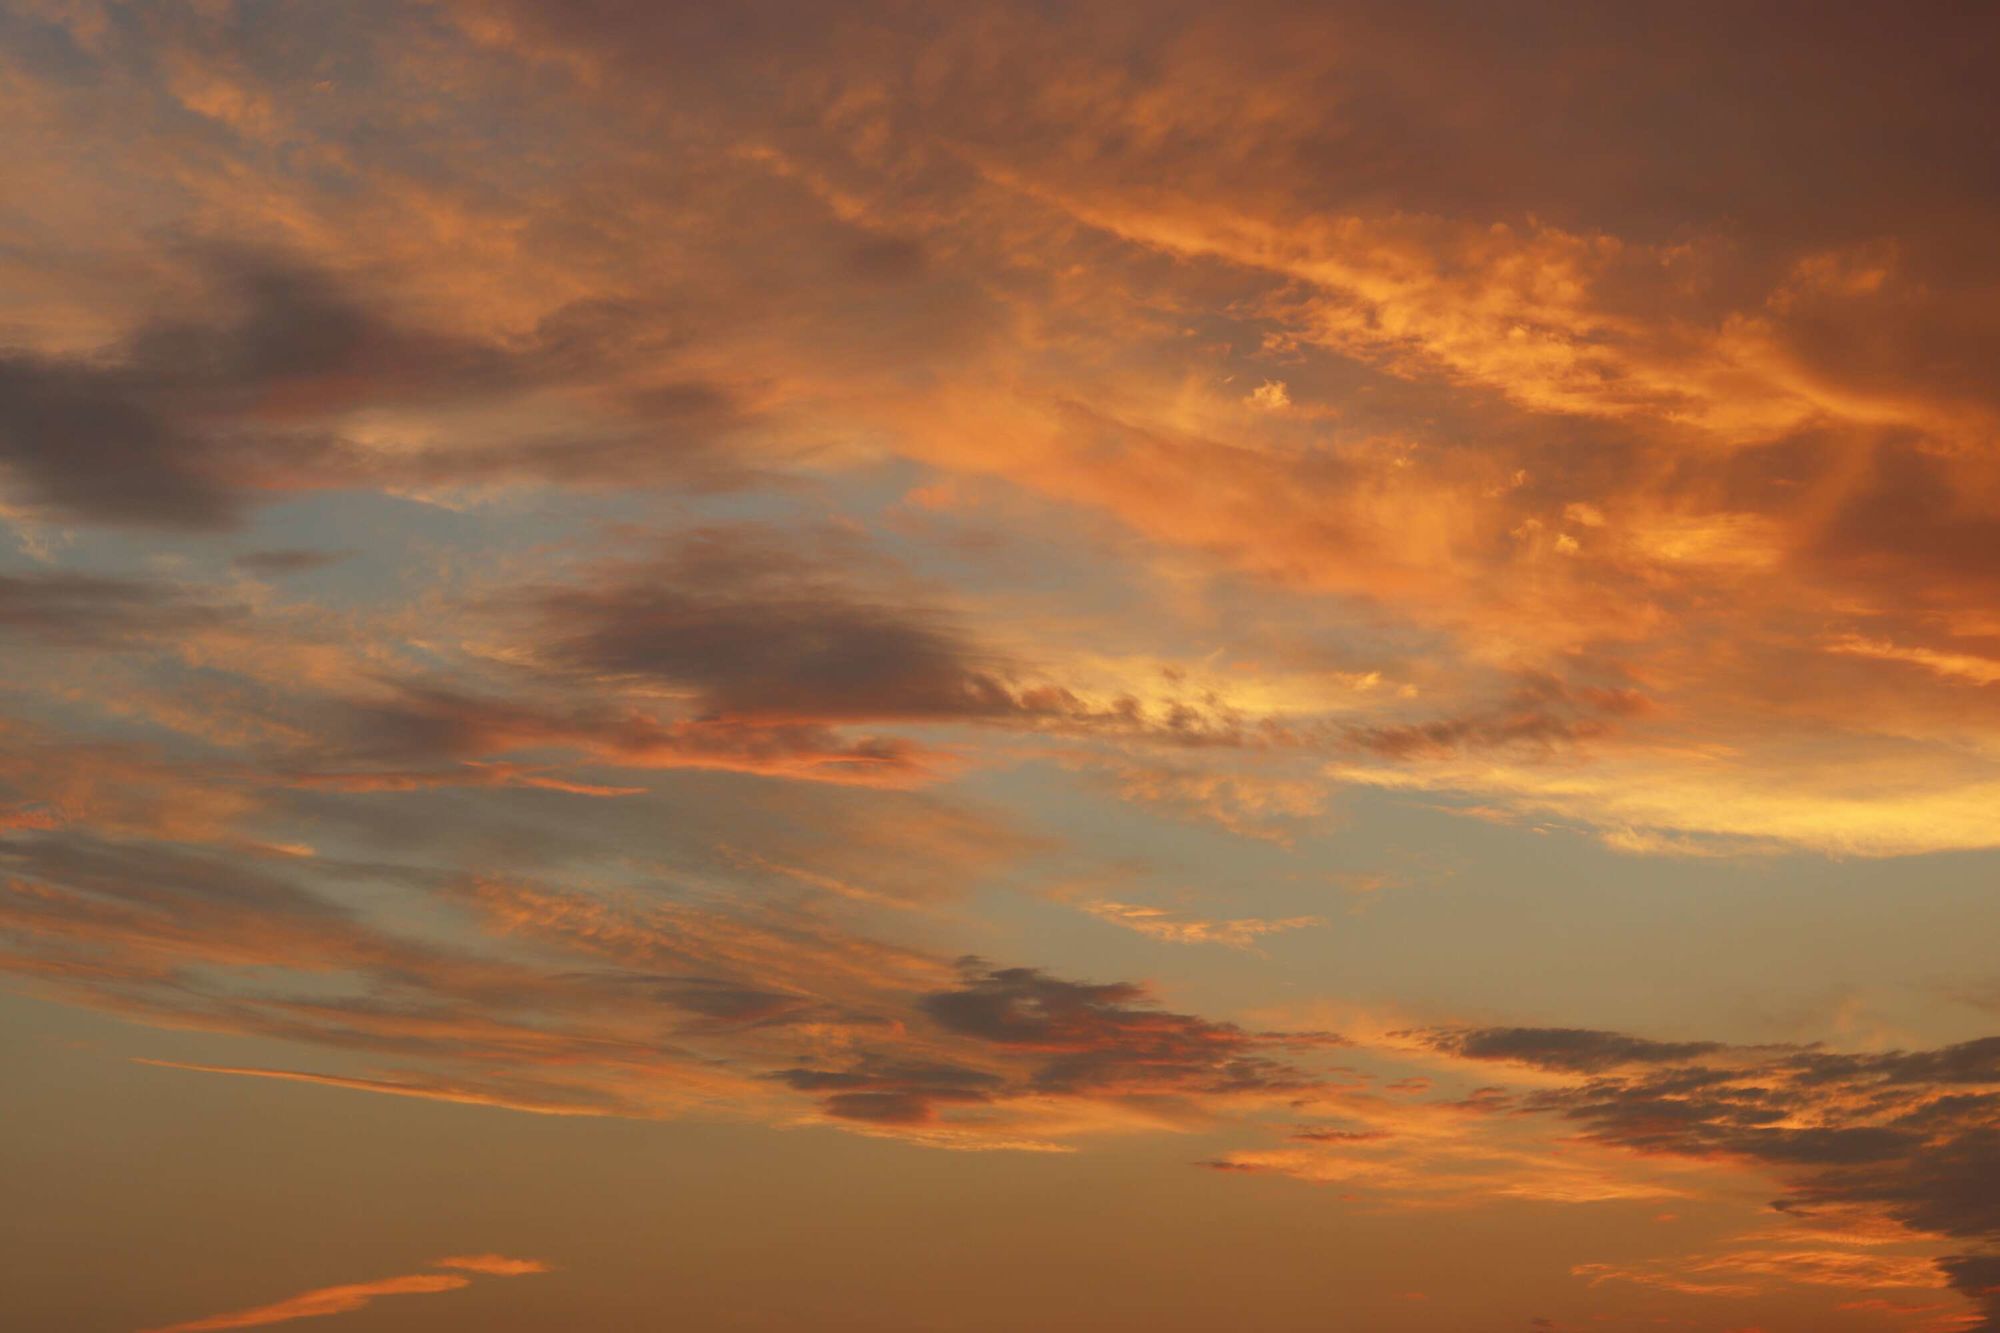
(493, 1265)
(1161, 924)
(349, 1297)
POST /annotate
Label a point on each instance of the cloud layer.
(788, 564)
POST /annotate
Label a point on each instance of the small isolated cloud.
(286, 560)
(1161, 924)
(1271, 396)
(493, 1265)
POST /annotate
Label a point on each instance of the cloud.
(90, 610)
(926, 458)
(886, 1093)
(532, 1101)
(643, 1003)
(345, 1299)
(1738, 1272)
(321, 1302)
(646, 1002)
(1161, 924)
(1573, 445)
(289, 560)
(492, 1265)
(189, 418)
(87, 445)
(113, 437)
(1910, 1136)
(1094, 1036)
(636, 1005)
(1250, 804)
(1573, 1050)
(761, 635)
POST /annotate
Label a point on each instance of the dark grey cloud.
(757, 631)
(1089, 1036)
(182, 422)
(195, 415)
(1576, 1050)
(96, 610)
(282, 325)
(160, 875)
(1977, 1276)
(412, 729)
(1975, 1061)
(1915, 1134)
(88, 441)
(894, 1092)
(787, 639)
(288, 560)
(1043, 1035)
(1541, 713)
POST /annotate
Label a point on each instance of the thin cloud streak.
(349, 1297)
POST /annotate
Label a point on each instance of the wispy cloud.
(1163, 924)
(349, 1297)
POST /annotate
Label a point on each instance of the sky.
(946, 668)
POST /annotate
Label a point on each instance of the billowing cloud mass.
(1390, 596)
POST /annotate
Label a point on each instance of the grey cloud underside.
(1097, 1035)
(755, 626)
(772, 653)
(760, 631)
(1082, 1039)
(85, 441)
(1914, 1133)
(276, 563)
(894, 1093)
(1541, 713)
(194, 417)
(95, 610)
(726, 646)
(1574, 1050)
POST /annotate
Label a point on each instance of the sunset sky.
(964, 668)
